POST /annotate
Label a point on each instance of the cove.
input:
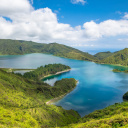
(98, 86)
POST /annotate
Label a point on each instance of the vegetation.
(18, 47)
(14, 69)
(46, 70)
(60, 88)
(119, 70)
(113, 116)
(120, 57)
(103, 55)
(22, 103)
(125, 96)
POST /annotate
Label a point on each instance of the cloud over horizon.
(42, 26)
(78, 1)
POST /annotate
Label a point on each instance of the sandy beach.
(56, 73)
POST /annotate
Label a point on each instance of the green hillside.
(103, 55)
(16, 47)
(23, 103)
(120, 58)
(114, 116)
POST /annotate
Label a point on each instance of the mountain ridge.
(19, 47)
(118, 58)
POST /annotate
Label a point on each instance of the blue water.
(98, 86)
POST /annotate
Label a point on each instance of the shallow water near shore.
(98, 86)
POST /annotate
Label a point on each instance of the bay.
(98, 86)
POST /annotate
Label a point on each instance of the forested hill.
(50, 69)
(18, 47)
(120, 57)
(103, 55)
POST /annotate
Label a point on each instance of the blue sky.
(92, 25)
(77, 14)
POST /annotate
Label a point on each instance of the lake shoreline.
(67, 70)
(60, 97)
(16, 69)
(71, 59)
(113, 64)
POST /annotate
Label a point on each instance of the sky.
(88, 25)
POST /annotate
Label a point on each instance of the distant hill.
(18, 47)
(120, 57)
(103, 55)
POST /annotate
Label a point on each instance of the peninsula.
(46, 71)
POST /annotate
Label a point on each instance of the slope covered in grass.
(16, 47)
(120, 57)
(23, 103)
(114, 116)
(103, 55)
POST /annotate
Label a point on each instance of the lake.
(98, 86)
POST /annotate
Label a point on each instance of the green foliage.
(17, 47)
(125, 96)
(46, 70)
(103, 55)
(113, 116)
(120, 57)
(119, 70)
(60, 88)
(23, 103)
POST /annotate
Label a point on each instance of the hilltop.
(18, 47)
(119, 58)
(103, 55)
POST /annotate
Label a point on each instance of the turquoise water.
(98, 86)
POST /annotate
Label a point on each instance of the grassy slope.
(22, 104)
(120, 57)
(113, 116)
(103, 55)
(15, 47)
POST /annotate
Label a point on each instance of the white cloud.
(106, 28)
(13, 7)
(126, 16)
(78, 1)
(42, 26)
(123, 39)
